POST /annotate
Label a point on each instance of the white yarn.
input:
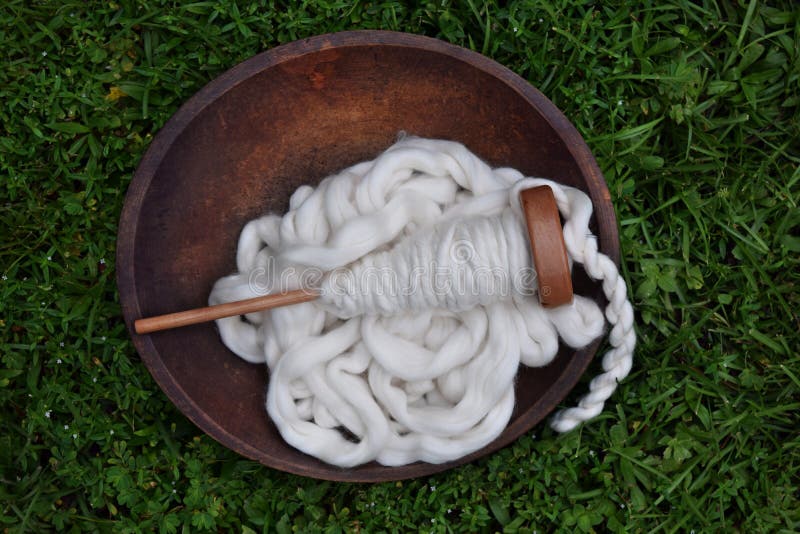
(410, 368)
(456, 265)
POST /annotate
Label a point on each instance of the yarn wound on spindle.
(428, 306)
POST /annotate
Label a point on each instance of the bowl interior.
(292, 116)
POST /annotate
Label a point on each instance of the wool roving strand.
(397, 372)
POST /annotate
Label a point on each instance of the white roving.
(428, 307)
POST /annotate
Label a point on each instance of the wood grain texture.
(291, 116)
(547, 246)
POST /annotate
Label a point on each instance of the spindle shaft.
(211, 313)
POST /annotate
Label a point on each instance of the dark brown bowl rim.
(164, 139)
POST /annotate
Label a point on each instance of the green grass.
(692, 112)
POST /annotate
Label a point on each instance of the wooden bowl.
(291, 116)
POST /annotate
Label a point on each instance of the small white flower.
(591, 453)
(49, 258)
(111, 431)
(174, 491)
(516, 29)
(433, 520)
(66, 427)
(74, 436)
(619, 102)
(541, 20)
(622, 505)
(433, 488)
(5, 277)
(58, 361)
(47, 413)
(44, 54)
(103, 338)
(102, 261)
(372, 504)
(449, 510)
(61, 344)
(94, 379)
